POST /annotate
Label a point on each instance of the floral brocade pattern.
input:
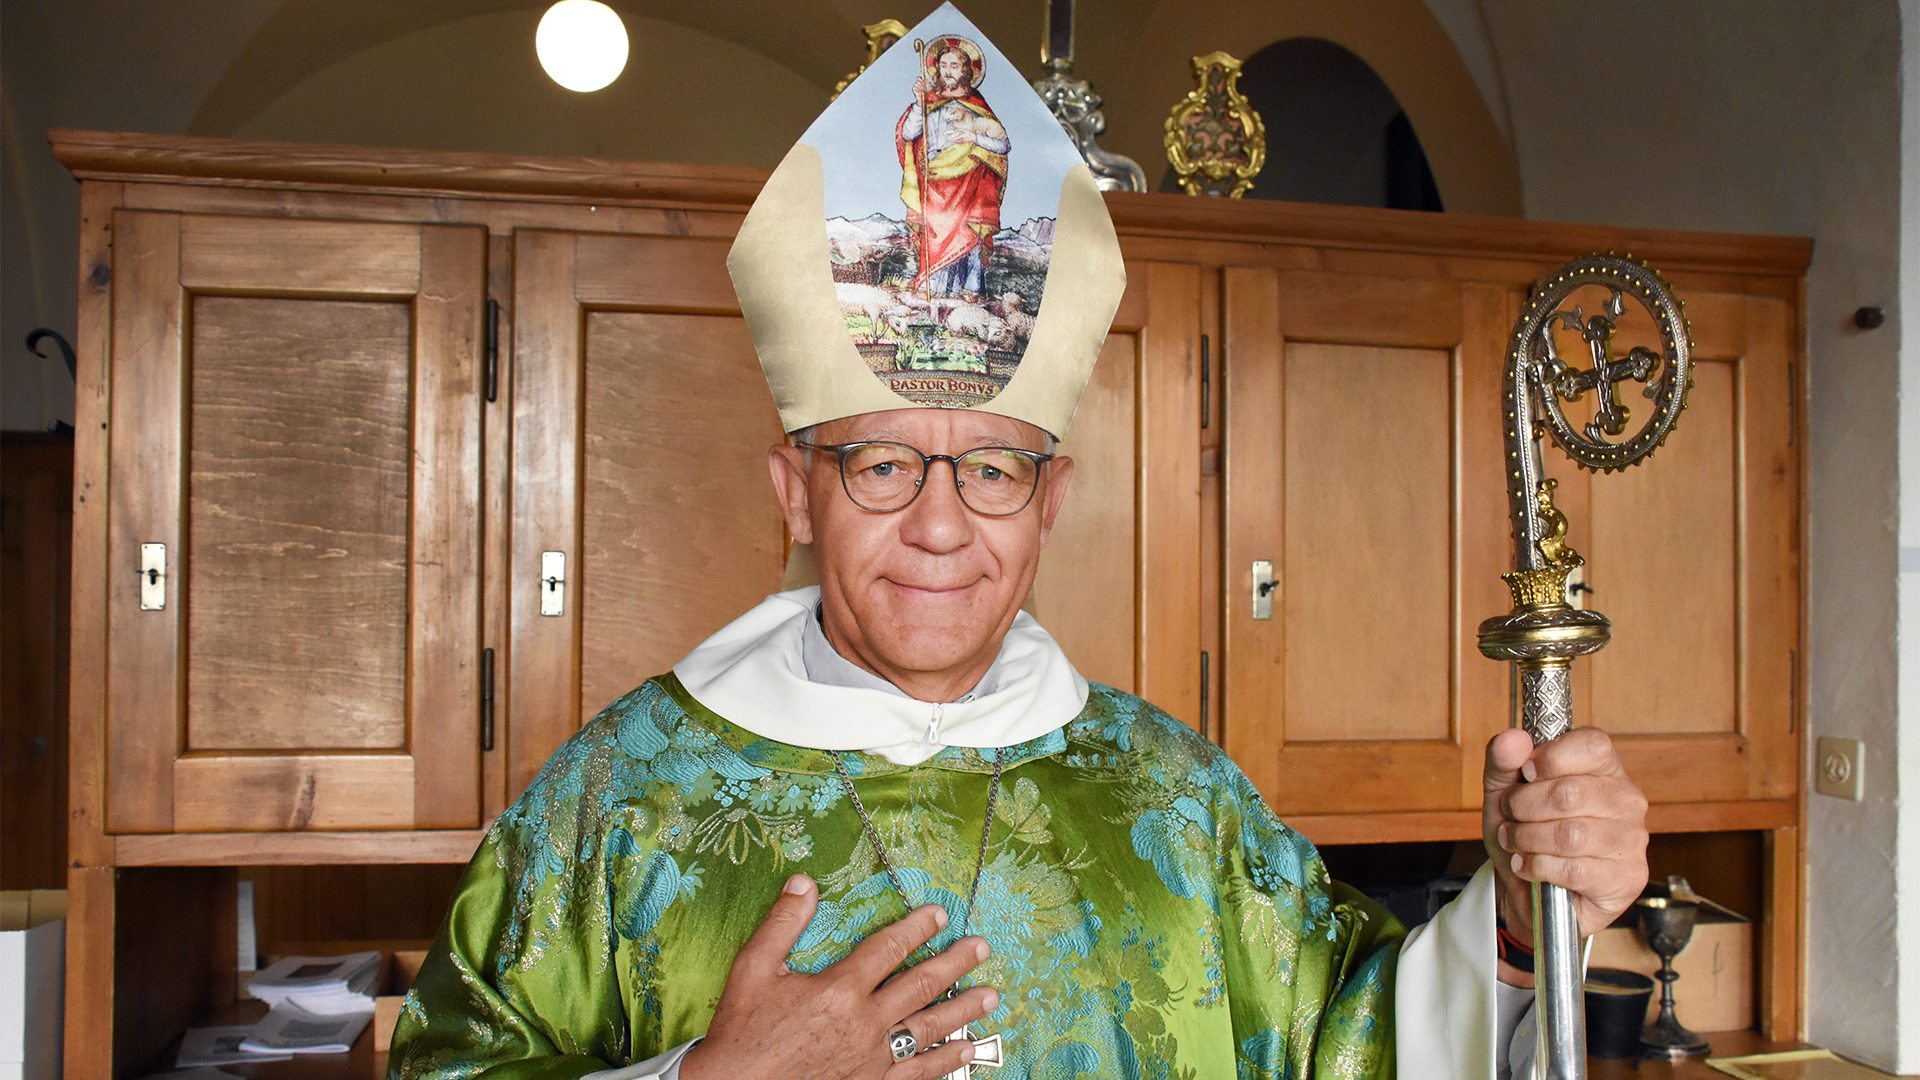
(1149, 917)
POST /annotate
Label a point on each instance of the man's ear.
(1059, 471)
(788, 465)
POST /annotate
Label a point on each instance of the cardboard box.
(1715, 989)
(33, 953)
(386, 1007)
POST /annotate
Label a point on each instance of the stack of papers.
(315, 1005)
(212, 1046)
(289, 1029)
(319, 985)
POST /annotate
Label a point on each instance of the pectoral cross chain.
(986, 1054)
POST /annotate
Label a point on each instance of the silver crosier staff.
(1543, 632)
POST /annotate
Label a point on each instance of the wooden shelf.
(297, 848)
(458, 845)
(362, 1062)
(1724, 1043)
(1465, 824)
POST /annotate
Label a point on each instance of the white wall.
(1778, 117)
(1907, 884)
(423, 90)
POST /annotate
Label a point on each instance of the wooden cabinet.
(447, 451)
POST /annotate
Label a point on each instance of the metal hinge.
(1793, 691)
(1205, 664)
(486, 700)
(1793, 405)
(493, 349)
(1206, 383)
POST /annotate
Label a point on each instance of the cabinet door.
(1694, 556)
(641, 428)
(296, 423)
(641, 425)
(1119, 581)
(1364, 690)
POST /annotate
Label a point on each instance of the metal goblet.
(1667, 924)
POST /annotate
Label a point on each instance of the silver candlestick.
(1073, 103)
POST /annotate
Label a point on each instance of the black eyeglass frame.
(841, 450)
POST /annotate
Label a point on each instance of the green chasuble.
(1149, 916)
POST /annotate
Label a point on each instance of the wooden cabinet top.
(197, 160)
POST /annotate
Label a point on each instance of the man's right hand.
(774, 1021)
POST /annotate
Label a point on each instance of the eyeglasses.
(993, 481)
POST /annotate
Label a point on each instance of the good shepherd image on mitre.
(940, 298)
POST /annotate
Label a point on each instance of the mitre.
(934, 240)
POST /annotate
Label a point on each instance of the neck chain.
(886, 860)
(988, 1051)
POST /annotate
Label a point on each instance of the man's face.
(921, 596)
(953, 67)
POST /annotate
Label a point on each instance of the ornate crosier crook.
(1543, 632)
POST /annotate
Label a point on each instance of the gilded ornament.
(1215, 141)
(880, 37)
(1541, 588)
(1553, 543)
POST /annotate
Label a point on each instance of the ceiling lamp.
(582, 44)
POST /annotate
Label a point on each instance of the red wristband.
(1514, 952)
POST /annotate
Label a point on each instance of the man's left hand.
(1565, 813)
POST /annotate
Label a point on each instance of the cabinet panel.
(298, 498)
(305, 443)
(1368, 515)
(1090, 559)
(681, 531)
(1674, 521)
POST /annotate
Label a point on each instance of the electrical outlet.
(1837, 768)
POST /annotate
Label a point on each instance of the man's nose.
(937, 520)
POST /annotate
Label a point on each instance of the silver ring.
(901, 1044)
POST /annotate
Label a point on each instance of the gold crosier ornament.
(1543, 632)
(1216, 143)
(880, 37)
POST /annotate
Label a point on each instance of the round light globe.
(582, 44)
